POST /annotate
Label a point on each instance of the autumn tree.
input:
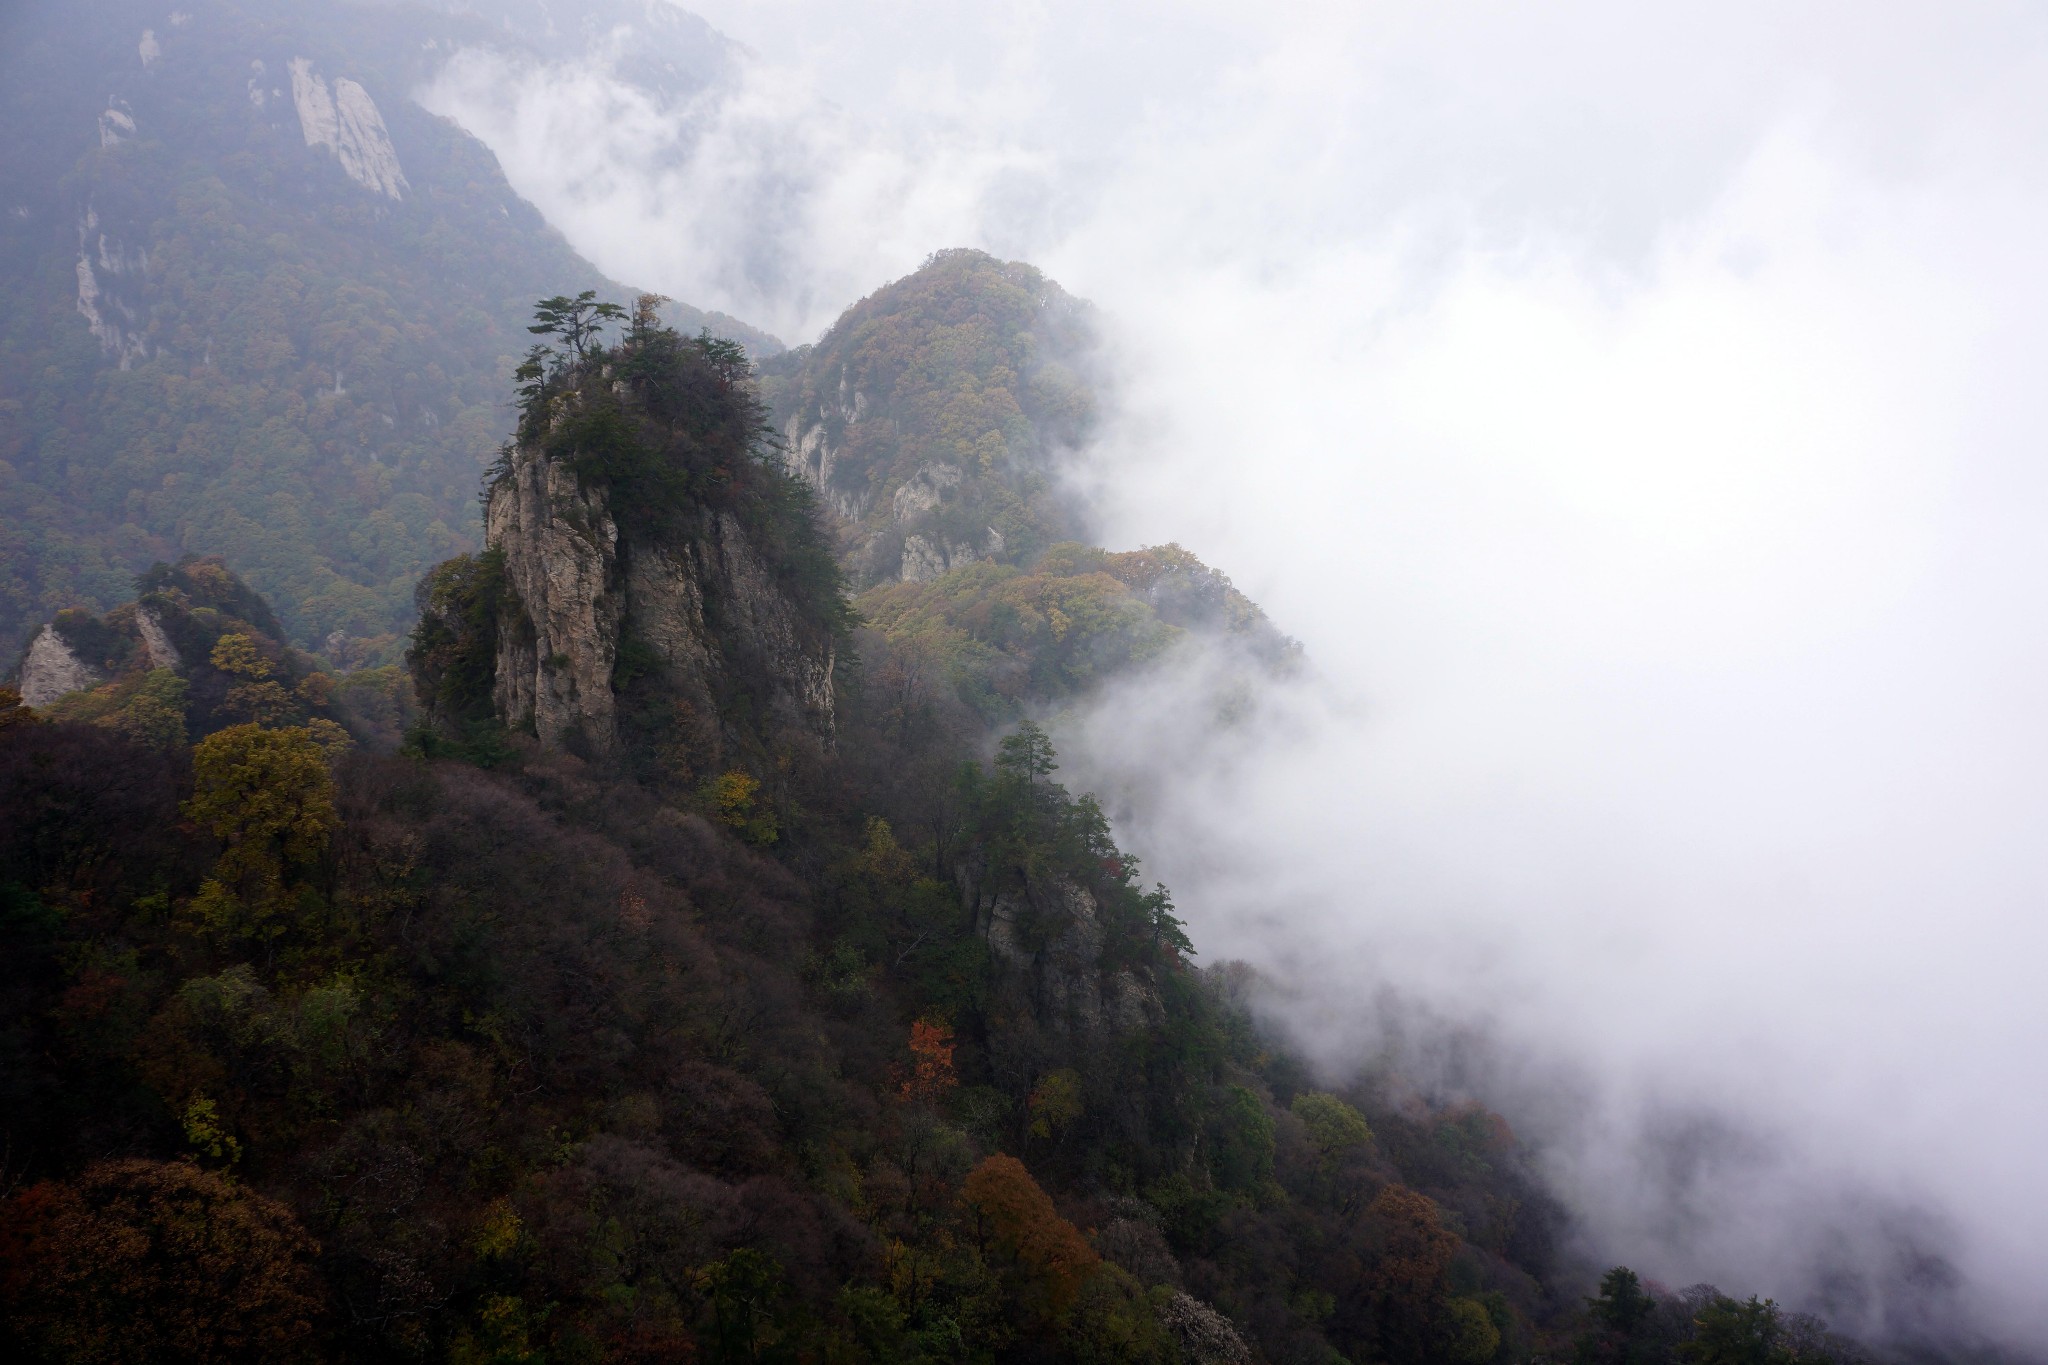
(162, 1262)
(647, 314)
(1017, 1220)
(1407, 1281)
(12, 710)
(734, 801)
(257, 694)
(1055, 1103)
(267, 795)
(931, 1076)
(1335, 1130)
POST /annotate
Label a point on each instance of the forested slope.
(692, 1024)
(259, 304)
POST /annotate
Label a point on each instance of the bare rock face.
(557, 655)
(157, 648)
(346, 121)
(695, 606)
(107, 272)
(52, 669)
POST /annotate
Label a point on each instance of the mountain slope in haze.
(260, 305)
(838, 1041)
(937, 421)
(684, 997)
(934, 416)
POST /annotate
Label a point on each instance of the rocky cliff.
(638, 578)
(1049, 942)
(577, 591)
(197, 650)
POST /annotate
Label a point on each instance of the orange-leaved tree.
(1017, 1220)
(150, 1260)
(1410, 1278)
(931, 1076)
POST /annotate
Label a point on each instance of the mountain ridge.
(706, 962)
(264, 305)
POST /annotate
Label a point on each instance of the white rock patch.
(116, 126)
(347, 122)
(52, 670)
(98, 310)
(156, 642)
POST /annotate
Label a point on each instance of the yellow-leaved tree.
(258, 696)
(267, 795)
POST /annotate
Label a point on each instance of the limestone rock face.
(117, 125)
(52, 668)
(347, 122)
(557, 656)
(924, 490)
(694, 605)
(107, 273)
(156, 641)
(813, 455)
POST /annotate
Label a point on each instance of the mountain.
(650, 589)
(933, 417)
(261, 304)
(721, 972)
(689, 952)
(939, 422)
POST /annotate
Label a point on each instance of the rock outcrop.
(93, 668)
(696, 607)
(346, 122)
(558, 639)
(1051, 942)
(599, 618)
(108, 272)
(157, 648)
(52, 669)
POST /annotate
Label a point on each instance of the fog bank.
(1637, 418)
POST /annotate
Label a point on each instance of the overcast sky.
(1636, 411)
